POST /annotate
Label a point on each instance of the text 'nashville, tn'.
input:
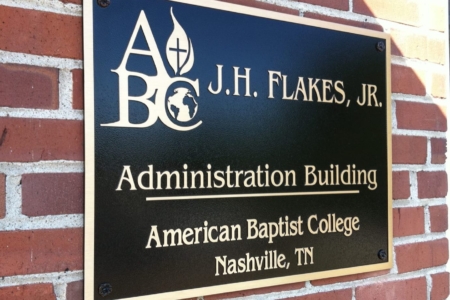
(260, 177)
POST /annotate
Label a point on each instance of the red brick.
(407, 81)
(439, 85)
(439, 218)
(412, 289)
(75, 290)
(27, 86)
(41, 251)
(347, 278)
(27, 140)
(2, 196)
(41, 33)
(408, 221)
(421, 116)
(438, 150)
(365, 25)
(265, 290)
(78, 89)
(43, 291)
(334, 295)
(409, 149)
(409, 44)
(411, 257)
(436, 50)
(80, 2)
(52, 194)
(336, 4)
(400, 185)
(440, 286)
(402, 11)
(266, 6)
(432, 184)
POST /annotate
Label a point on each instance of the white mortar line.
(427, 219)
(413, 185)
(55, 278)
(60, 290)
(429, 286)
(51, 166)
(65, 91)
(428, 160)
(13, 198)
(54, 6)
(46, 222)
(7, 57)
(418, 168)
(394, 115)
(41, 113)
(419, 202)
(425, 133)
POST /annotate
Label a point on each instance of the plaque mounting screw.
(105, 289)
(381, 46)
(382, 254)
(104, 3)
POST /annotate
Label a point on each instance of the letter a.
(124, 74)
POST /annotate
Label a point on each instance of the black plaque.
(231, 148)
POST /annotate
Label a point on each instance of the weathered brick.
(28, 86)
(439, 218)
(408, 221)
(72, 1)
(440, 286)
(41, 251)
(400, 185)
(40, 139)
(52, 194)
(409, 149)
(43, 291)
(264, 290)
(432, 184)
(402, 11)
(407, 81)
(2, 196)
(336, 4)
(439, 85)
(437, 13)
(41, 33)
(75, 290)
(334, 295)
(438, 150)
(266, 6)
(78, 89)
(347, 278)
(436, 50)
(365, 25)
(409, 44)
(421, 116)
(411, 289)
(411, 257)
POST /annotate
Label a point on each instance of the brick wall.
(41, 149)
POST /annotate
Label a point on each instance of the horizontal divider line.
(194, 197)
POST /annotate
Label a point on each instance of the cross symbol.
(178, 50)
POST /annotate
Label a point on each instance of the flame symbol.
(179, 51)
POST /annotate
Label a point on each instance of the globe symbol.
(182, 105)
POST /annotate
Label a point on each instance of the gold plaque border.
(89, 288)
